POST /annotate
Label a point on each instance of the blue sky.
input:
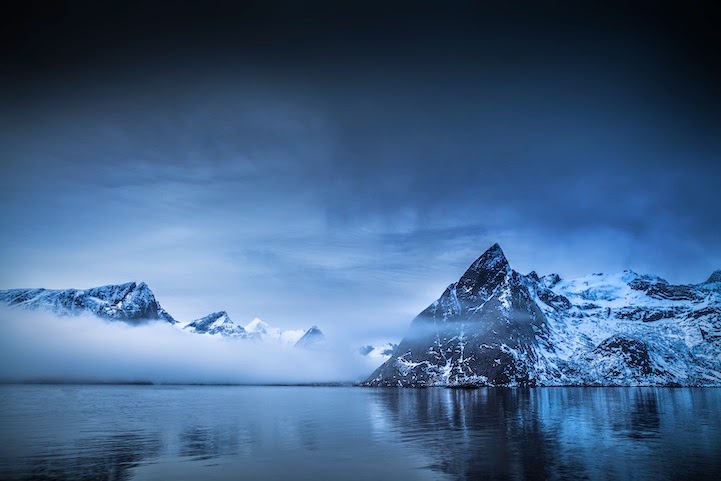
(343, 171)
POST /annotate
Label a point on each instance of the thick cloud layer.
(42, 347)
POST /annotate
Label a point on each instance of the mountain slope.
(220, 324)
(217, 323)
(129, 302)
(265, 332)
(500, 328)
(135, 303)
(312, 339)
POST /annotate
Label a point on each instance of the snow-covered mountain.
(267, 333)
(217, 323)
(498, 327)
(129, 302)
(135, 303)
(220, 324)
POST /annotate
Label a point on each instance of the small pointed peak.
(311, 339)
(484, 274)
(714, 277)
(533, 275)
(495, 249)
(491, 259)
(628, 275)
(256, 325)
(212, 320)
(551, 280)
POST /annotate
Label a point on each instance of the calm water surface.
(318, 433)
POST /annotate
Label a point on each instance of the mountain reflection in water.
(255, 433)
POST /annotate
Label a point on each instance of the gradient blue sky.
(317, 164)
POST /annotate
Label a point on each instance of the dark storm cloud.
(294, 159)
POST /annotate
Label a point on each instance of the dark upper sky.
(339, 163)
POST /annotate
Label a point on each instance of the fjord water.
(318, 433)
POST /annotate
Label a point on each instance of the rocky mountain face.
(130, 302)
(135, 304)
(496, 327)
(217, 323)
(220, 324)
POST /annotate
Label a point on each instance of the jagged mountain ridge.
(500, 328)
(220, 324)
(217, 323)
(135, 303)
(130, 302)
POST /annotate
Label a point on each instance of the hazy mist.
(42, 347)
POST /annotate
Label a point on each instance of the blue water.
(339, 433)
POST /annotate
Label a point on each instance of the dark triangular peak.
(533, 275)
(312, 338)
(491, 260)
(485, 273)
(714, 277)
(465, 337)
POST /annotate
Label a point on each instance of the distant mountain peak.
(312, 339)
(134, 303)
(714, 277)
(209, 319)
(257, 325)
(216, 323)
(129, 302)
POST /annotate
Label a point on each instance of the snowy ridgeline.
(494, 327)
(500, 328)
(135, 303)
(219, 323)
(129, 302)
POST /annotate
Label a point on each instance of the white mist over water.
(42, 347)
